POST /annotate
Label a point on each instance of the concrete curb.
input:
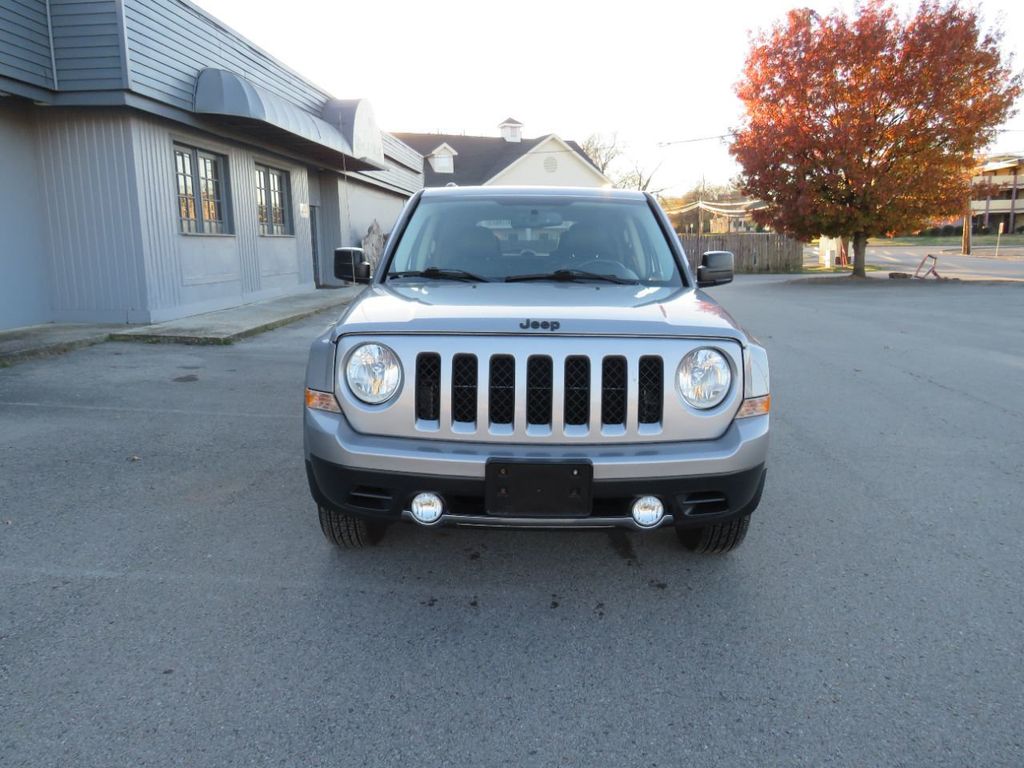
(213, 339)
(222, 327)
(834, 280)
(228, 326)
(52, 349)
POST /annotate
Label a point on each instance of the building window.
(202, 185)
(273, 201)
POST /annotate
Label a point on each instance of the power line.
(733, 133)
(693, 141)
(732, 210)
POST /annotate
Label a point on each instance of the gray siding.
(402, 153)
(24, 259)
(396, 176)
(365, 205)
(96, 237)
(405, 166)
(86, 43)
(89, 187)
(348, 208)
(25, 42)
(197, 273)
(170, 41)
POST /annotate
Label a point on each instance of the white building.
(508, 159)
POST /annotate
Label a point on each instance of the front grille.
(538, 390)
(651, 380)
(464, 388)
(613, 390)
(502, 390)
(577, 390)
(428, 386)
(576, 394)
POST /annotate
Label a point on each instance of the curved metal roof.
(254, 110)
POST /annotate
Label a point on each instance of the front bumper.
(385, 496)
(700, 482)
(329, 436)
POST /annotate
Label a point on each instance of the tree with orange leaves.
(867, 124)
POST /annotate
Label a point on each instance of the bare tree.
(602, 150)
(639, 179)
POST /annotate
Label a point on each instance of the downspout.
(53, 54)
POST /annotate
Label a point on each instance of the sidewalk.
(222, 327)
(228, 325)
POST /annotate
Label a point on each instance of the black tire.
(715, 539)
(348, 531)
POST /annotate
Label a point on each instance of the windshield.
(517, 236)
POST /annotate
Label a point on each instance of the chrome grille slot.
(613, 391)
(577, 390)
(651, 384)
(464, 388)
(538, 389)
(428, 386)
(502, 390)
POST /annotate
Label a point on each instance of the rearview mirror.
(351, 266)
(716, 268)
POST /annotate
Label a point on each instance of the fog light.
(426, 508)
(648, 511)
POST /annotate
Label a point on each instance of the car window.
(512, 235)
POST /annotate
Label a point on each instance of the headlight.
(373, 373)
(703, 377)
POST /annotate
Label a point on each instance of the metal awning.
(253, 110)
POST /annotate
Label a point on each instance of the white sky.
(651, 71)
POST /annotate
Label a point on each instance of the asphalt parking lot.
(166, 597)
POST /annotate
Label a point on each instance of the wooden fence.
(754, 251)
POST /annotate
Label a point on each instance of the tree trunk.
(860, 246)
(965, 238)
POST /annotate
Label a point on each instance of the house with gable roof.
(504, 160)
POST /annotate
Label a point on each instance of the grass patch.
(1007, 241)
(816, 269)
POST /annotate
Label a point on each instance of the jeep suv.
(536, 358)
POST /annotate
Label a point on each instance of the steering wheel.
(605, 267)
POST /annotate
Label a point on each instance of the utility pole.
(700, 222)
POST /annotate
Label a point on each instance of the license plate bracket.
(539, 488)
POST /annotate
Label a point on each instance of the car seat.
(470, 248)
(585, 242)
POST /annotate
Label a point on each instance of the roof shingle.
(479, 157)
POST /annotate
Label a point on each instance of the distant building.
(508, 159)
(998, 185)
(156, 164)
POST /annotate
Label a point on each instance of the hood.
(435, 307)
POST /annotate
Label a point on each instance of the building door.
(314, 234)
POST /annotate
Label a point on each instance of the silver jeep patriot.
(536, 357)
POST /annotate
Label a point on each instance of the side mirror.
(716, 268)
(349, 265)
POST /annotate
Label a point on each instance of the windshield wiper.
(570, 275)
(437, 273)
